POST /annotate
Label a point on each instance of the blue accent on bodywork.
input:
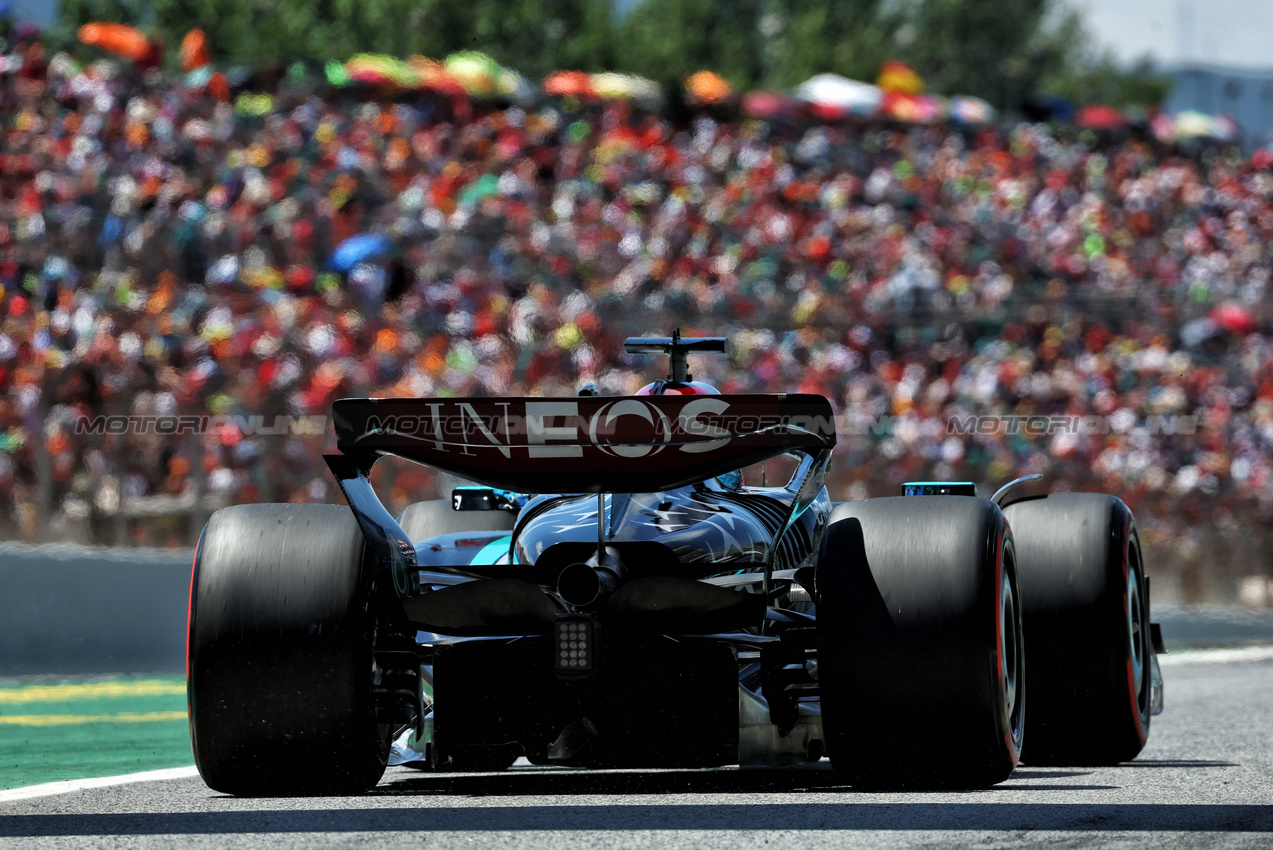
(459, 549)
(493, 551)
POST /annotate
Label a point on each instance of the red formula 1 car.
(612, 593)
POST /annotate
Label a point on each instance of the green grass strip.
(80, 729)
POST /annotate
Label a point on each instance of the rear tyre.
(1087, 626)
(435, 516)
(920, 653)
(279, 654)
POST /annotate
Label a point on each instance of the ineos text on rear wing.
(625, 444)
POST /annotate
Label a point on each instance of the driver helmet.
(730, 480)
(678, 388)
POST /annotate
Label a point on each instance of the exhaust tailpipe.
(586, 585)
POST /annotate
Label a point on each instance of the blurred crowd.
(166, 249)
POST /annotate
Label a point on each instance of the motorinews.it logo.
(249, 425)
(630, 428)
(1041, 425)
(849, 424)
(545, 424)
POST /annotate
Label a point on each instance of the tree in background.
(77, 12)
(991, 50)
(1083, 73)
(1012, 53)
(532, 36)
(1103, 80)
(666, 40)
(1006, 52)
(536, 37)
(849, 37)
(755, 43)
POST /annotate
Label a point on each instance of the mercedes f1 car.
(611, 592)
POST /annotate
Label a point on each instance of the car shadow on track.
(542, 817)
(521, 782)
(533, 782)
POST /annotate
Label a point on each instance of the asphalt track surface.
(1205, 779)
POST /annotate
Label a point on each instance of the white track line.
(69, 786)
(1179, 657)
(1236, 655)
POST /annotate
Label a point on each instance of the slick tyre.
(1086, 610)
(920, 651)
(279, 654)
(435, 516)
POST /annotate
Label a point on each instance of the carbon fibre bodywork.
(702, 527)
(685, 575)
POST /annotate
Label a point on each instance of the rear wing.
(624, 444)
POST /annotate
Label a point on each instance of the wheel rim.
(1135, 631)
(1010, 659)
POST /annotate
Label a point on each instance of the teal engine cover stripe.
(493, 552)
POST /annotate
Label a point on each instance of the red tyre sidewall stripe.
(1137, 720)
(194, 570)
(194, 574)
(1002, 666)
